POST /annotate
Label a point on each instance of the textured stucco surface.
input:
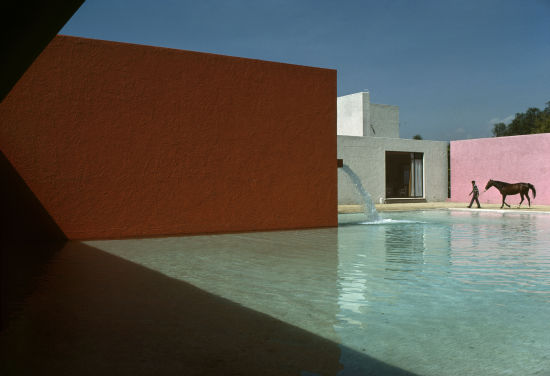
(384, 119)
(510, 159)
(366, 156)
(120, 140)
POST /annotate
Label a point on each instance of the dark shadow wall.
(30, 237)
(27, 28)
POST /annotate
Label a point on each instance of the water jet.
(368, 205)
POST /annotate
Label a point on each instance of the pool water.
(428, 293)
(458, 293)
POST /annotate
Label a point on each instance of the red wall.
(120, 140)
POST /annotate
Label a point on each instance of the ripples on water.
(433, 293)
(459, 293)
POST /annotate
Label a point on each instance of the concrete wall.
(510, 159)
(353, 113)
(119, 140)
(367, 157)
(384, 120)
(357, 116)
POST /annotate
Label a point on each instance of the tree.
(417, 137)
(499, 130)
(532, 121)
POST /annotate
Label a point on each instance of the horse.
(506, 189)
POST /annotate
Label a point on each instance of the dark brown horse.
(506, 189)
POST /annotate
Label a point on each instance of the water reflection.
(404, 245)
(411, 293)
(506, 252)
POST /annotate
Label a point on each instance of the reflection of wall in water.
(370, 255)
(404, 246)
(361, 260)
(415, 244)
(373, 261)
(491, 233)
(499, 252)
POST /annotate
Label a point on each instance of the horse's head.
(489, 184)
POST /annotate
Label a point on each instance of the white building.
(392, 169)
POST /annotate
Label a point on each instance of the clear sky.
(454, 67)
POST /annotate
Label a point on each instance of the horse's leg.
(528, 199)
(504, 202)
(521, 194)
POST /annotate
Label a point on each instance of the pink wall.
(510, 159)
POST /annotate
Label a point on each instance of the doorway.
(404, 174)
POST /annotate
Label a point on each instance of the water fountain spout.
(368, 205)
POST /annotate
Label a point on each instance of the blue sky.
(453, 67)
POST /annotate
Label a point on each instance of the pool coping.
(459, 206)
(519, 211)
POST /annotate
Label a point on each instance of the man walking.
(475, 193)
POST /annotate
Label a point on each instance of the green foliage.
(417, 137)
(529, 122)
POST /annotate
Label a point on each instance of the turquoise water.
(428, 293)
(459, 293)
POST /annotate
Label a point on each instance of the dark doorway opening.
(404, 174)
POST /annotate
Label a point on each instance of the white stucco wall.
(352, 114)
(357, 116)
(366, 156)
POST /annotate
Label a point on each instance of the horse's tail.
(533, 189)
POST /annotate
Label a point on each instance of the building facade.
(391, 169)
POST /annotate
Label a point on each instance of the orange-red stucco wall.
(120, 140)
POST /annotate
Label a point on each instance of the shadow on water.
(30, 237)
(95, 313)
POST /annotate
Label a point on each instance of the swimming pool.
(427, 293)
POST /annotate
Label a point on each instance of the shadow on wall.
(29, 27)
(30, 238)
(95, 313)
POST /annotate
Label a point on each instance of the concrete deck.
(349, 209)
